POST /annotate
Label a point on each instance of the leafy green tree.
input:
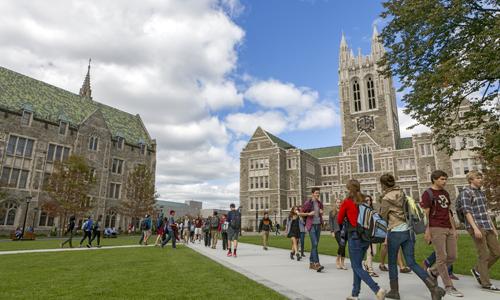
(446, 54)
(68, 188)
(140, 193)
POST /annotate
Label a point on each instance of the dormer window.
(143, 148)
(120, 141)
(93, 143)
(26, 118)
(63, 127)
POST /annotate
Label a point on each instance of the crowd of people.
(398, 244)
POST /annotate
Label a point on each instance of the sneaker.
(380, 294)
(229, 254)
(405, 270)
(319, 267)
(432, 276)
(453, 277)
(491, 288)
(383, 268)
(312, 266)
(476, 275)
(88, 246)
(352, 298)
(234, 255)
(452, 291)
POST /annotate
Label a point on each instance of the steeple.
(377, 47)
(344, 51)
(86, 91)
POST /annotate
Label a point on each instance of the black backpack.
(235, 220)
(214, 222)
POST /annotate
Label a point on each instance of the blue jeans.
(432, 259)
(357, 250)
(403, 240)
(314, 234)
(170, 236)
(302, 237)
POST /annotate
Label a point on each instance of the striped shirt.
(474, 202)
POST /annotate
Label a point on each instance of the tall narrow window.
(365, 159)
(93, 142)
(372, 104)
(62, 127)
(26, 118)
(357, 96)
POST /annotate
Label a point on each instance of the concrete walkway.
(274, 269)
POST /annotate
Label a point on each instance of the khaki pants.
(445, 246)
(215, 235)
(486, 259)
(265, 238)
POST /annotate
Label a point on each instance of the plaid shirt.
(474, 202)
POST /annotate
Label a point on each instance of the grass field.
(466, 250)
(134, 273)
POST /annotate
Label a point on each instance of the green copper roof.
(405, 143)
(281, 143)
(50, 103)
(325, 151)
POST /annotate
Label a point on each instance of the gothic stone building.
(275, 175)
(41, 124)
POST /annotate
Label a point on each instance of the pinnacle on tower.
(375, 33)
(343, 43)
(86, 91)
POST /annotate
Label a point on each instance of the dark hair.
(172, 211)
(438, 173)
(215, 213)
(387, 180)
(292, 211)
(314, 189)
(370, 201)
(354, 187)
(266, 213)
(232, 205)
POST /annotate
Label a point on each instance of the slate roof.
(51, 103)
(324, 151)
(405, 143)
(281, 143)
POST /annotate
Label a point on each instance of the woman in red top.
(357, 246)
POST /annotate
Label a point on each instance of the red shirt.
(349, 209)
(439, 214)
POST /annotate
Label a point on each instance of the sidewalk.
(274, 269)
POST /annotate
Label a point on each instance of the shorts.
(232, 234)
(197, 231)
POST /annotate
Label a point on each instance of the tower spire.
(86, 91)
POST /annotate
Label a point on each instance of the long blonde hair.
(354, 188)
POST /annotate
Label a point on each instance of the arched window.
(357, 95)
(365, 159)
(46, 219)
(370, 88)
(8, 211)
(110, 218)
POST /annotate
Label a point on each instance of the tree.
(445, 54)
(68, 188)
(140, 193)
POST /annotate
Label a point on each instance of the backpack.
(236, 220)
(460, 207)
(84, 225)
(414, 214)
(214, 222)
(371, 226)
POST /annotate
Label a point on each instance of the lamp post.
(256, 218)
(28, 200)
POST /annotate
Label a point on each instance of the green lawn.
(50, 243)
(327, 245)
(133, 273)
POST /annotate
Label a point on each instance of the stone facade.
(41, 124)
(275, 175)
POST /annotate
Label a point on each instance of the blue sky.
(202, 74)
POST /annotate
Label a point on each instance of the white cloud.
(322, 115)
(246, 123)
(406, 121)
(222, 95)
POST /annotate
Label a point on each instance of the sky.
(202, 74)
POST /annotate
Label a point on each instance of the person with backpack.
(223, 229)
(233, 231)
(96, 232)
(70, 229)
(146, 228)
(335, 231)
(171, 228)
(357, 245)
(187, 229)
(214, 229)
(400, 236)
(372, 250)
(312, 209)
(160, 229)
(87, 231)
(265, 226)
(440, 231)
(302, 236)
(473, 211)
(293, 231)
(277, 229)
(206, 231)
(198, 232)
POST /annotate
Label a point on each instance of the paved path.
(69, 249)
(293, 279)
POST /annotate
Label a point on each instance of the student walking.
(87, 231)
(160, 229)
(312, 209)
(70, 229)
(214, 229)
(391, 209)
(146, 230)
(302, 226)
(265, 226)
(206, 231)
(170, 231)
(187, 229)
(197, 230)
(96, 232)
(293, 231)
(335, 229)
(224, 226)
(357, 246)
(441, 230)
(372, 250)
(472, 208)
(278, 229)
(233, 230)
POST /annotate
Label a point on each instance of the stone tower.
(367, 99)
(85, 90)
